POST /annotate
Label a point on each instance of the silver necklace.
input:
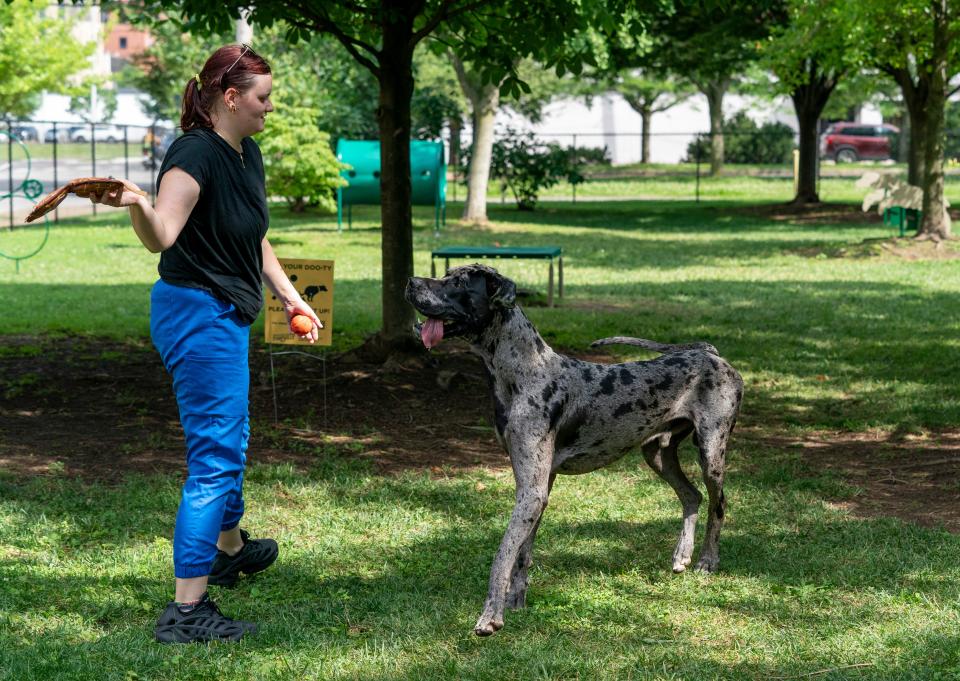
(242, 165)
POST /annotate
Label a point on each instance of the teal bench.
(529, 252)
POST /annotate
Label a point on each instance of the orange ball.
(301, 324)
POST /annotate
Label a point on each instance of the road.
(130, 167)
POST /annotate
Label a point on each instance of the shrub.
(593, 156)
(746, 142)
(525, 166)
(299, 163)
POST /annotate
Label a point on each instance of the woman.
(209, 225)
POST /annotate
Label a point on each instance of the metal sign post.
(313, 280)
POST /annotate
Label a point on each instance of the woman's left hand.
(295, 307)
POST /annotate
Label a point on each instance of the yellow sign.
(313, 280)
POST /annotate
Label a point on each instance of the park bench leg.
(433, 268)
(560, 276)
(446, 266)
(550, 286)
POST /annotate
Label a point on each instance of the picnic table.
(528, 252)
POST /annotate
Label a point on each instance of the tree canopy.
(382, 36)
(36, 53)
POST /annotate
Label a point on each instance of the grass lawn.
(383, 576)
(79, 150)
(679, 182)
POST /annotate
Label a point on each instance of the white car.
(101, 133)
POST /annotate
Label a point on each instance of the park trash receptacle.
(904, 218)
(428, 177)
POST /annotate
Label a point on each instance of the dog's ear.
(505, 295)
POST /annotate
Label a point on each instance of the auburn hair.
(232, 66)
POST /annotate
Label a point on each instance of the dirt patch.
(915, 477)
(810, 214)
(100, 410)
(895, 248)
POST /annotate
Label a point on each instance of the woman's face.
(253, 105)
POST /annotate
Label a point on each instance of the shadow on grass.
(783, 567)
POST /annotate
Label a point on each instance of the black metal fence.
(39, 156)
(684, 160)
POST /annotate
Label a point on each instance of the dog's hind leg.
(713, 446)
(517, 593)
(661, 453)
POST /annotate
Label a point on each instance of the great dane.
(556, 414)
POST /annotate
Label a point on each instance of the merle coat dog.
(556, 414)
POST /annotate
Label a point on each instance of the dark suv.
(849, 142)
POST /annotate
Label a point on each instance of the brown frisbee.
(82, 187)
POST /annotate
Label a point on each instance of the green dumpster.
(428, 177)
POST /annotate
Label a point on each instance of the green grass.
(382, 577)
(79, 150)
(732, 186)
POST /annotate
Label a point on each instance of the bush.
(298, 160)
(592, 156)
(746, 142)
(525, 166)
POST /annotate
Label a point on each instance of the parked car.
(101, 133)
(25, 133)
(850, 142)
(63, 133)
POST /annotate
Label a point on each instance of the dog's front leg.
(532, 472)
(517, 593)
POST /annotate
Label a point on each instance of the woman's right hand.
(128, 195)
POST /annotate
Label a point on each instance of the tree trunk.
(646, 116)
(807, 170)
(484, 99)
(903, 151)
(456, 129)
(918, 140)
(915, 95)
(715, 90)
(935, 223)
(396, 90)
(808, 102)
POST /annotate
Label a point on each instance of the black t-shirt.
(219, 248)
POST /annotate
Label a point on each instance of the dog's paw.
(708, 564)
(486, 626)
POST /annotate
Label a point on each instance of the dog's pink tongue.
(431, 333)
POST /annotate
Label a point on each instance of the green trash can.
(904, 218)
(428, 177)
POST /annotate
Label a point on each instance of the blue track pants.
(205, 348)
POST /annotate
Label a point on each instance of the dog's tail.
(662, 348)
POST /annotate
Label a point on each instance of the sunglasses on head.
(246, 48)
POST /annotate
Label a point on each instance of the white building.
(612, 123)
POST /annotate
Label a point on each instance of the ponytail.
(194, 112)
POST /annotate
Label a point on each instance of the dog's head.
(461, 304)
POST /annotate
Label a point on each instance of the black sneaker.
(256, 555)
(203, 622)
